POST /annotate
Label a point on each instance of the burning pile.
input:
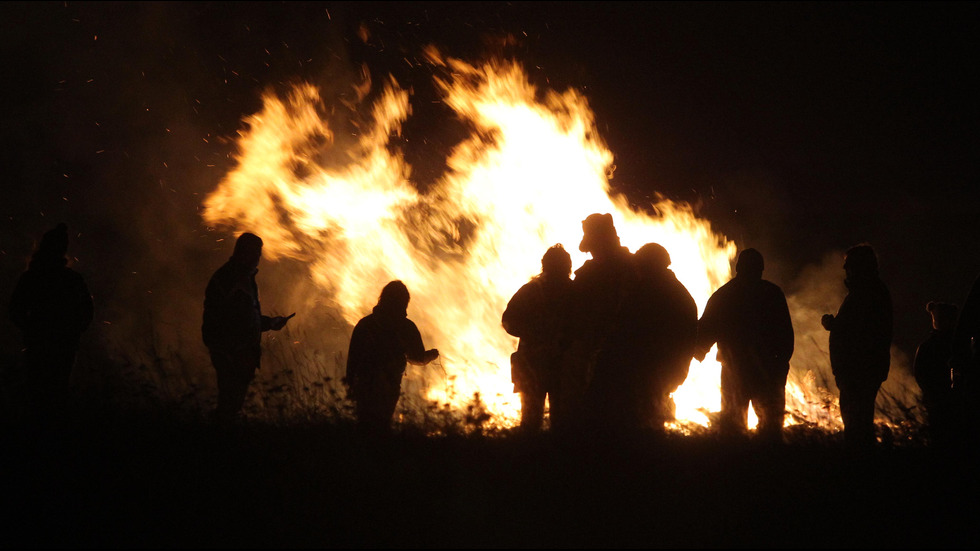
(531, 169)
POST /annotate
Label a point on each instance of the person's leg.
(770, 405)
(734, 402)
(532, 409)
(857, 407)
(48, 375)
(389, 401)
(235, 371)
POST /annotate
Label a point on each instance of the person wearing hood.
(51, 306)
(380, 345)
(538, 315)
(234, 323)
(749, 319)
(860, 344)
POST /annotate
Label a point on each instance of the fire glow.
(531, 169)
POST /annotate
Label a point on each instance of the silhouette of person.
(380, 345)
(965, 365)
(932, 371)
(593, 375)
(233, 325)
(538, 314)
(860, 343)
(51, 305)
(658, 336)
(749, 319)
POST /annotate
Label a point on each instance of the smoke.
(125, 121)
(817, 290)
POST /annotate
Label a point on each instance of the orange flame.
(533, 167)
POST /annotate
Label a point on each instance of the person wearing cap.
(538, 315)
(932, 371)
(659, 341)
(860, 344)
(51, 305)
(749, 319)
(234, 323)
(592, 381)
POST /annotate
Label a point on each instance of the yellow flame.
(533, 167)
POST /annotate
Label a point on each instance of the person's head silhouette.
(556, 262)
(943, 315)
(652, 258)
(54, 243)
(598, 234)
(394, 299)
(248, 249)
(860, 264)
(750, 264)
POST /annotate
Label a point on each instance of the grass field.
(112, 477)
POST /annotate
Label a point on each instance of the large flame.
(533, 167)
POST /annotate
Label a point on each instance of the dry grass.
(140, 464)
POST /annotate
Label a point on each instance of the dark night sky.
(798, 129)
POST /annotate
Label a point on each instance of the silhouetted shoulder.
(522, 310)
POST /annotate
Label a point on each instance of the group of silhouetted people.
(947, 367)
(605, 350)
(612, 345)
(609, 347)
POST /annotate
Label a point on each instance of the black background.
(799, 129)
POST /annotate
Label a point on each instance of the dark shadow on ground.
(145, 480)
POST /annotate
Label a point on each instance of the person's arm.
(784, 322)
(827, 321)
(415, 351)
(686, 331)
(517, 319)
(355, 356)
(275, 323)
(919, 365)
(706, 330)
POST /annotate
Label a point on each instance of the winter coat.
(750, 321)
(51, 304)
(380, 345)
(538, 315)
(861, 334)
(233, 318)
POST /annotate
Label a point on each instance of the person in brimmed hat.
(591, 381)
(749, 319)
(51, 305)
(234, 323)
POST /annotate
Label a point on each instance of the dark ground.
(145, 480)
